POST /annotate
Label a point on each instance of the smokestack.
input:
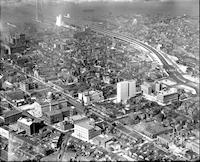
(59, 20)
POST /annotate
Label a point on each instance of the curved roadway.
(173, 73)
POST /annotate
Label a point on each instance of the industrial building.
(17, 43)
(168, 96)
(34, 109)
(126, 90)
(58, 115)
(65, 125)
(26, 86)
(90, 96)
(86, 130)
(146, 88)
(158, 92)
(151, 87)
(102, 140)
(53, 104)
(28, 125)
(54, 116)
(11, 116)
(18, 97)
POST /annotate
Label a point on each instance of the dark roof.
(65, 109)
(11, 113)
(16, 95)
(155, 128)
(27, 140)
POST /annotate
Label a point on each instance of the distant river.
(25, 12)
(99, 10)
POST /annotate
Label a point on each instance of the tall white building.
(126, 90)
(59, 20)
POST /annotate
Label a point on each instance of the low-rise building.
(11, 116)
(77, 118)
(17, 97)
(26, 86)
(34, 109)
(106, 79)
(193, 145)
(90, 96)
(146, 88)
(168, 96)
(65, 125)
(54, 105)
(164, 139)
(58, 115)
(67, 111)
(196, 132)
(86, 130)
(28, 125)
(4, 132)
(7, 85)
(152, 129)
(54, 116)
(102, 140)
(16, 138)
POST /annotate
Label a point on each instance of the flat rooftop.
(87, 124)
(168, 92)
(16, 95)
(26, 121)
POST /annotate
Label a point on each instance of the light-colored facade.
(168, 96)
(132, 88)
(34, 109)
(91, 96)
(126, 90)
(4, 132)
(146, 89)
(26, 125)
(122, 88)
(193, 145)
(86, 130)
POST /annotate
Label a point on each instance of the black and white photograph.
(99, 80)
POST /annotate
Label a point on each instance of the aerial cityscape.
(99, 80)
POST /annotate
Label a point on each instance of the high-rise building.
(126, 90)
(122, 91)
(131, 88)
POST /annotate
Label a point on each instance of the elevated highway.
(171, 70)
